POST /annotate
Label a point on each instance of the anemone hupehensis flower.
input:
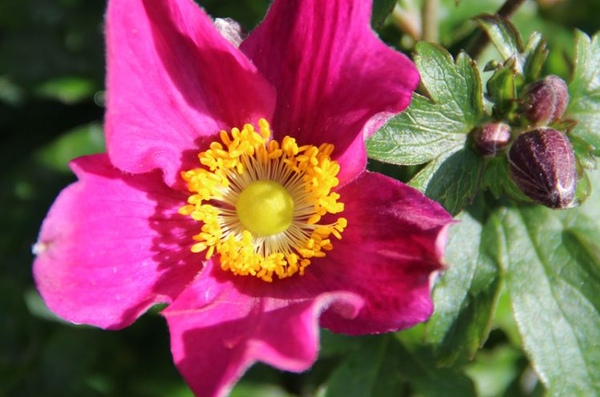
(234, 190)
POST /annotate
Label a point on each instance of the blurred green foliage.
(51, 108)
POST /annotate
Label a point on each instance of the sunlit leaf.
(552, 264)
(505, 37)
(584, 89)
(434, 129)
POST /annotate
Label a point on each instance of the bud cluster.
(541, 160)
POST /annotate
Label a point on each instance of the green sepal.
(584, 152)
(535, 55)
(502, 89)
(529, 59)
(584, 188)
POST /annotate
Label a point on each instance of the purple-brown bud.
(542, 165)
(490, 138)
(545, 100)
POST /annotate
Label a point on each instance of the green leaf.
(529, 59)
(418, 365)
(466, 294)
(432, 127)
(551, 261)
(584, 90)
(381, 9)
(252, 390)
(417, 136)
(336, 344)
(454, 86)
(505, 37)
(494, 370)
(383, 365)
(452, 180)
(434, 130)
(369, 372)
(496, 179)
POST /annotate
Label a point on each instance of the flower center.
(265, 208)
(261, 203)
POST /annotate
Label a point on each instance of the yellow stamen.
(261, 201)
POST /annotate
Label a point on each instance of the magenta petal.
(112, 245)
(334, 77)
(393, 244)
(376, 279)
(173, 79)
(222, 324)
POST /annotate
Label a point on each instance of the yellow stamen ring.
(261, 202)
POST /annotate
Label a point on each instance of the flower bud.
(545, 100)
(490, 138)
(542, 165)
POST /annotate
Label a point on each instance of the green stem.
(430, 21)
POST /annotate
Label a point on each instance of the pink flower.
(338, 246)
